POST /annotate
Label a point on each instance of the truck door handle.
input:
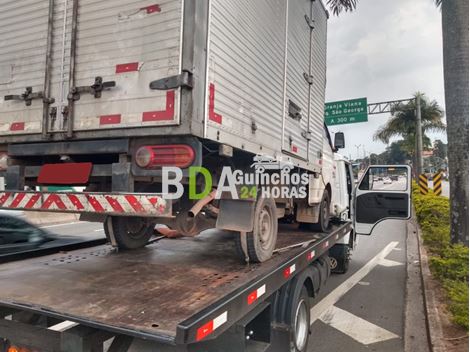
(28, 96)
(95, 89)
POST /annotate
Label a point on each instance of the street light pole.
(419, 138)
(357, 147)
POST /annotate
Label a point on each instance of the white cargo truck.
(104, 95)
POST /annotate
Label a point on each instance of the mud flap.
(242, 221)
(110, 232)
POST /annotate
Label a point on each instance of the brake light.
(155, 156)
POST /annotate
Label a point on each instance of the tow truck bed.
(165, 292)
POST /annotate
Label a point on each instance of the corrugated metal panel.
(298, 63)
(317, 103)
(61, 39)
(131, 43)
(246, 71)
(253, 73)
(23, 42)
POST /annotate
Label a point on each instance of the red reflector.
(129, 67)
(65, 174)
(155, 156)
(152, 8)
(110, 119)
(17, 126)
(289, 271)
(213, 116)
(164, 115)
(252, 297)
(209, 327)
(204, 330)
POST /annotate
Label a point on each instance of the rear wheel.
(339, 258)
(300, 322)
(258, 246)
(129, 232)
(324, 214)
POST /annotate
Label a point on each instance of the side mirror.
(339, 140)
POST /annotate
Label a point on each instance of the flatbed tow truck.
(188, 294)
(191, 294)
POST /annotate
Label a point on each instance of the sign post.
(346, 111)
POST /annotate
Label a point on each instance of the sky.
(385, 50)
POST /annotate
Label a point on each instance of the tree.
(455, 46)
(397, 153)
(455, 52)
(402, 123)
(440, 149)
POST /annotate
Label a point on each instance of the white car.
(387, 181)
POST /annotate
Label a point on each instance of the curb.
(434, 325)
(415, 335)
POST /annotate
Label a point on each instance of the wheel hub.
(301, 325)
(265, 227)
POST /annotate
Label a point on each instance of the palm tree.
(402, 123)
(455, 52)
(455, 43)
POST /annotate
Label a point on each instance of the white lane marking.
(390, 263)
(58, 225)
(98, 230)
(327, 302)
(355, 327)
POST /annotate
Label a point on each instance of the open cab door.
(383, 192)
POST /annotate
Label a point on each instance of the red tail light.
(156, 156)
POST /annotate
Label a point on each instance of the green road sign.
(346, 111)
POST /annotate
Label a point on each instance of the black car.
(17, 234)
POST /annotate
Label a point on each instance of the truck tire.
(300, 322)
(324, 214)
(130, 232)
(339, 258)
(261, 242)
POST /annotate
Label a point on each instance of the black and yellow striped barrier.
(423, 184)
(437, 184)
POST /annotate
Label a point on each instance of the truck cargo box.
(249, 74)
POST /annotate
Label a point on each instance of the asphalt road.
(76, 230)
(363, 310)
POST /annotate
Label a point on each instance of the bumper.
(118, 204)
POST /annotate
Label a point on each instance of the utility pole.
(419, 138)
(357, 147)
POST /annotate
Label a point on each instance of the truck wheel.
(300, 322)
(324, 215)
(261, 242)
(339, 258)
(130, 232)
